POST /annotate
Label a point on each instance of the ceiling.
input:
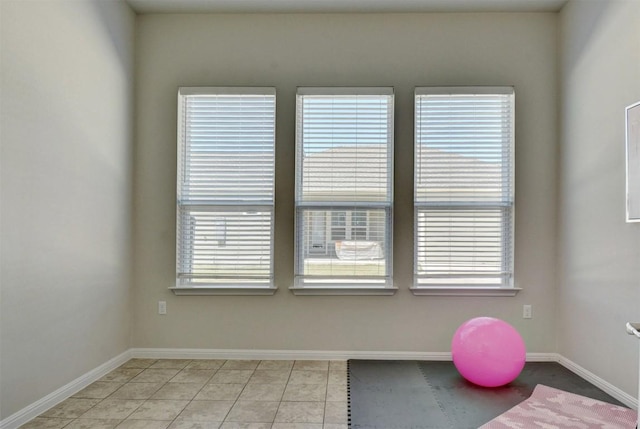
(342, 6)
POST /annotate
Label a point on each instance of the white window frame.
(258, 206)
(449, 286)
(341, 285)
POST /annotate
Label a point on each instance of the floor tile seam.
(326, 392)
(288, 375)
(281, 401)
(285, 387)
(176, 417)
(240, 394)
(326, 389)
(130, 382)
(179, 368)
(210, 377)
(226, 414)
(203, 386)
(124, 365)
(215, 371)
(151, 398)
(87, 409)
(131, 413)
(297, 403)
(238, 397)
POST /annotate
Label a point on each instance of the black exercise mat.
(432, 395)
(392, 394)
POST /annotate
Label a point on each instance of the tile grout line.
(165, 383)
(285, 389)
(239, 394)
(148, 399)
(324, 408)
(196, 394)
(180, 369)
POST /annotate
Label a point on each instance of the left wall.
(66, 180)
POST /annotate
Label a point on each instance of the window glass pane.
(463, 145)
(355, 255)
(344, 158)
(338, 225)
(464, 192)
(225, 186)
(359, 225)
(228, 148)
(376, 228)
(344, 147)
(465, 245)
(317, 232)
(225, 246)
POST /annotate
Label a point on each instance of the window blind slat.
(235, 130)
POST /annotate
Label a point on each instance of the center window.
(344, 158)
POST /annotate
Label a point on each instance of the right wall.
(599, 264)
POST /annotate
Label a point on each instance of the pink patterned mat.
(550, 408)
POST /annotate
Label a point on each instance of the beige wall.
(396, 50)
(599, 269)
(67, 67)
(67, 128)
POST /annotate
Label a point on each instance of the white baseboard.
(609, 388)
(307, 354)
(542, 357)
(21, 417)
(28, 413)
(284, 354)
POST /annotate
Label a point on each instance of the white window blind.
(344, 159)
(464, 187)
(225, 201)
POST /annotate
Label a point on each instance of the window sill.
(464, 291)
(311, 291)
(223, 290)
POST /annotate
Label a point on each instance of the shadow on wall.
(110, 19)
(587, 30)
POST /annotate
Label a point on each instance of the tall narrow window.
(344, 159)
(225, 189)
(464, 188)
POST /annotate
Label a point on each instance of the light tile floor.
(208, 394)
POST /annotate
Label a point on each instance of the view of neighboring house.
(349, 169)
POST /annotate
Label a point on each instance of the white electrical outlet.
(162, 307)
(527, 312)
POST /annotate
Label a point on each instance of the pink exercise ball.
(488, 351)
